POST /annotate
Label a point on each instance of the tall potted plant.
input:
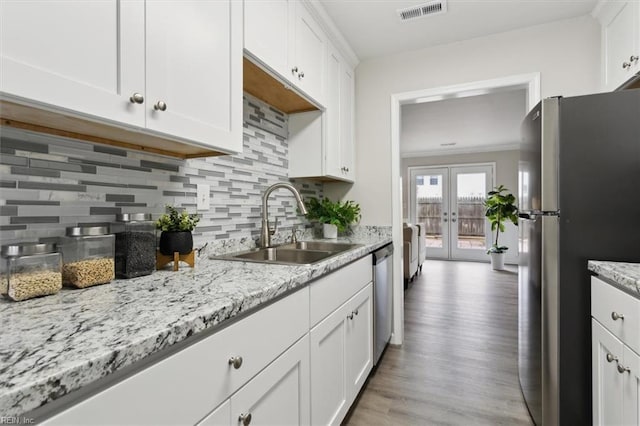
(500, 208)
(333, 216)
(176, 231)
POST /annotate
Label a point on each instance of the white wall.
(565, 53)
(506, 170)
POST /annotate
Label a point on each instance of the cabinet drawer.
(184, 387)
(607, 300)
(329, 292)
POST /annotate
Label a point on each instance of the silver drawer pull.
(611, 358)
(616, 316)
(236, 361)
(136, 98)
(622, 369)
(160, 106)
(245, 419)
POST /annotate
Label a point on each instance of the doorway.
(449, 200)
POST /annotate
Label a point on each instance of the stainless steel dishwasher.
(382, 299)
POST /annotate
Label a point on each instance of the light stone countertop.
(53, 345)
(625, 275)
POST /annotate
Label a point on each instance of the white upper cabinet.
(283, 37)
(309, 54)
(266, 33)
(190, 90)
(86, 57)
(166, 69)
(329, 152)
(620, 23)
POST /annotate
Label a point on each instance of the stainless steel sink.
(300, 253)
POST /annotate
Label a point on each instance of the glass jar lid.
(133, 217)
(27, 249)
(84, 231)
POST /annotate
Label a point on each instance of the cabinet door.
(279, 395)
(87, 57)
(332, 151)
(607, 381)
(631, 401)
(620, 42)
(266, 33)
(328, 369)
(346, 122)
(309, 53)
(194, 71)
(359, 338)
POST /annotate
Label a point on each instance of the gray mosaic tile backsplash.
(48, 183)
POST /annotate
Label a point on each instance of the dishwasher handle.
(382, 253)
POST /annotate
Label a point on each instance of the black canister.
(135, 244)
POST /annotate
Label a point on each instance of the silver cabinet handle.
(634, 58)
(160, 106)
(136, 98)
(444, 220)
(622, 369)
(626, 65)
(444, 214)
(236, 361)
(453, 214)
(453, 220)
(350, 316)
(245, 419)
(294, 70)
(355, 312)
(616, 316)
(611, 358)
(300, 75)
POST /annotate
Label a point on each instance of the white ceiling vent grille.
(422, 10)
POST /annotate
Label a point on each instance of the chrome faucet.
(266, 232)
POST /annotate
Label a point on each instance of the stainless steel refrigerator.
(579, 199)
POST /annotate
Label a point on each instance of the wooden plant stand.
(162, 259)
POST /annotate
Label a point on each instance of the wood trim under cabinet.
(59, 124)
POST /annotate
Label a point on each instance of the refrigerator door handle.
(535, 214)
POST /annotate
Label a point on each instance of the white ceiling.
(372, 27)
(475, 123)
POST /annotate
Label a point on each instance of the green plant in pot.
(176, 229)
(500, 208)
(334, 216)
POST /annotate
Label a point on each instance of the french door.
(449, 201)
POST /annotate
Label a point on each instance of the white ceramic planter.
(329, 230)
(497, 261)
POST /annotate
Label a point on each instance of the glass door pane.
(469, 227)
(430, 206)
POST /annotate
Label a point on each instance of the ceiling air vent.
(422, 10)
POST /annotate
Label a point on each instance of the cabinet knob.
(616, 316)
(236, 361)
(355, 312)
(444, 220)
(160, 106)
(294, 70)
(626, 65)
(634, 58)
(611, 358)
(622, 369)
(453, 219)
(300, 75)
(350, 316)
(245, 419)
(136, 98)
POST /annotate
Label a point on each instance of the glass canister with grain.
(87, 256)
(135, 244)
(29, 270)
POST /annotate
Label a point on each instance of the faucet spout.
(265, 232)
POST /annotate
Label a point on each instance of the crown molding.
(455, 151)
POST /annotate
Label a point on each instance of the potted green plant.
(176, 229)
(333, 216)
(500, 208)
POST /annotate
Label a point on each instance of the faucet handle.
(275, 226)
(294, 232)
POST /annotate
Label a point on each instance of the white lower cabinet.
(279, 395)
(301, 360)
(615, 363)
(341, 358)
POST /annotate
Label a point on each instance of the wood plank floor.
(458, 363)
